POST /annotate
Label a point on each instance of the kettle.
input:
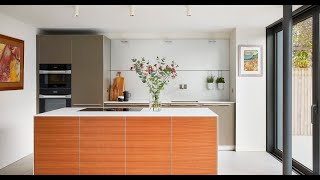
(126, 95)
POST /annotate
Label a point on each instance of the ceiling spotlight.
(76, 11)
(188, 10)
(132, 10)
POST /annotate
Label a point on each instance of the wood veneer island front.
(174, 141)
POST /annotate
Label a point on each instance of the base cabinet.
(102, 145)
(148, 145)
(56, 145)
(194, 146)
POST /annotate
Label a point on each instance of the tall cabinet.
(89, 56)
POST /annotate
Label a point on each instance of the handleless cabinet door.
(194, 145)
(102, 145)
(87, 70)
(148, 145)
(226, 124)
(56, 145)
(54, 49)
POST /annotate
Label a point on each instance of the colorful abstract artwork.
(11, 63)
(250, 60)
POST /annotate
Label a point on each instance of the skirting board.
(226, 148)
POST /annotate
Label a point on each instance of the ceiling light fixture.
(188, 10)
(132, 10)
(76, 11)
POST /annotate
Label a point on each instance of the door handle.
(313, 110)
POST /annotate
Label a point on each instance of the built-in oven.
(53, 102)
(55, 76)
(54, 86)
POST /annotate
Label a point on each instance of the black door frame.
(299, 15)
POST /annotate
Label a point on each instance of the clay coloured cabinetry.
(89, 56)
(125, 145)
(54, 49)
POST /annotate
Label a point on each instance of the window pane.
(302, 92)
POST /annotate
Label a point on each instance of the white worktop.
(196, 112)
(169, 102)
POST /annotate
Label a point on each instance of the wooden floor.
(229, 163)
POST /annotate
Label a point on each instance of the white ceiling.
(148, 18)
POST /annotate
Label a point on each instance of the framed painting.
(250, 60)
(11, 63)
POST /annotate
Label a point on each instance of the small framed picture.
(250, 60)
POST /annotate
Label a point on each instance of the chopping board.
(117, 87)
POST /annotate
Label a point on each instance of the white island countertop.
(169, 102)
(190, 112)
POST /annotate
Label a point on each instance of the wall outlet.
(185, 86)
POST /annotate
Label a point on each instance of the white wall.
(250, 96)
(18, 107)
(196, 58)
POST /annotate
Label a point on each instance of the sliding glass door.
(305, 91)
(301, 92)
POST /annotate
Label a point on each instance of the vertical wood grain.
(148, 145)
(194, 145)
(56, 145)
(102, 145)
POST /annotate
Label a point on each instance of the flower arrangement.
(156, 76)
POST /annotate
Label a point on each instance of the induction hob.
(111, 109)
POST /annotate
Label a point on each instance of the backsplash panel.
(196, 86)
(196, 59)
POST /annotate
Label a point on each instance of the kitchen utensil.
(126, 95)
(119, 83)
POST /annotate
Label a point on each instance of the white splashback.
(196, 58)
(195, 80)
(188, 54)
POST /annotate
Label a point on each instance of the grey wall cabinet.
(54, 49)
(90, 55)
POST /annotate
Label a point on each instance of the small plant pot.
(220, 86)
(210, 86)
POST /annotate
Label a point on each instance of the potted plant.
(210, 82)
(220, 82)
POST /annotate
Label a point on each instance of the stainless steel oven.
(55, 86)
(55, 76)
(53, 102)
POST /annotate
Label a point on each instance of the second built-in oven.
(53, 102)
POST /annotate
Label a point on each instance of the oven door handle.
(54, 72)
(54, 96)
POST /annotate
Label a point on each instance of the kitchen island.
(175, 141)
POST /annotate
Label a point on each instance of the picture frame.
(250, 60)
(11, 63)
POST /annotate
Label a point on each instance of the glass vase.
(155, 101)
